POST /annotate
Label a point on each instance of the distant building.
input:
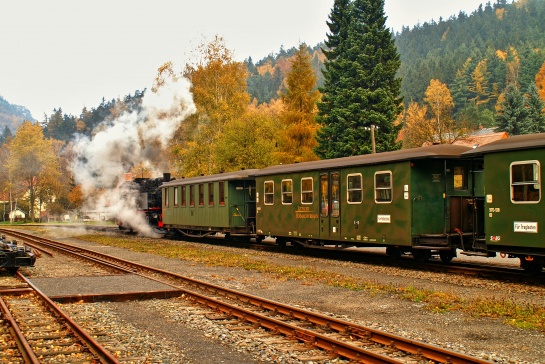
(481, 137)
(16, 215)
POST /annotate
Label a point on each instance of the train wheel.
(421, 256)
(447, 255)
(393, 252)
(532, 265)
(281, 242)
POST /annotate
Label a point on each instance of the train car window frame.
(352, 192)
(192, 195)
(166, 197)
(324, 195)
(221, 195)
(211, 194)
(287, 191)
(307, 190)
(268, 192)
(335, 185)
(459, 178)
(176, 204)
(184, 199)
(522, 185)
(383, 187)
(201, 194)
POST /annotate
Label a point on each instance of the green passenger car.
(206, 205)
(417, 200)
(514, 208)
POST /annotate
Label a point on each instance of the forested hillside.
(475, 55)
(12, 115)
(490, 46)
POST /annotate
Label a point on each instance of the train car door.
(243, 206)
(330, 206)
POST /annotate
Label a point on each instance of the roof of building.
(481, 137)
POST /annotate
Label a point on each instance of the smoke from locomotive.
(131, 139)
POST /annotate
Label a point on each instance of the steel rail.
(24, 346)
(95, 348)
(347, 350)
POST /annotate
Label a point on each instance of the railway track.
(299, 330)
(508, 273)
(35, 330)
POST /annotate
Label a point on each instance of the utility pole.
(373, 143)
(373, 138)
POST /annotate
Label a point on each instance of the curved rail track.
(35, 330)
(286, 325)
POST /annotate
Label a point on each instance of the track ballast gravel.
(164, 331)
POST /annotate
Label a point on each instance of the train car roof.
(433, 151)
(526, 141)
(229, 176)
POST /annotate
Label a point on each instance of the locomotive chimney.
(166, 177)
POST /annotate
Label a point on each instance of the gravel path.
(173, 329)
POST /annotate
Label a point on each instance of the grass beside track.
(527, 316)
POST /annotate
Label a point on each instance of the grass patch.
(524, 316)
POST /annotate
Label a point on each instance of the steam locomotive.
(148, 200)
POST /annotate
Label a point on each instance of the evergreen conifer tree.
(536, 107)
(513, 115)
(361, 91)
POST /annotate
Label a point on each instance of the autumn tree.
(479, 84)
(32, 161)
(296, 139)
(433, 123)
(440, 103)
(220, 94)
(248, 142)
(361, 90)
(417, 129)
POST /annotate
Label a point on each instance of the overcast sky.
(72, 53)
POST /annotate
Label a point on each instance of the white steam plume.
(102, 160)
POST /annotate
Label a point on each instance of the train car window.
(221, 188)
(175, 196)
(354, 188)
(201, 194)
(335, 194)
(269, 192)
(192, 195)
(166, 197)
(383, 187)
(211, 194)
(525, 182)
(183, 196)
(460, 178)
(324, 195)
(307, 190)
(287, 191)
